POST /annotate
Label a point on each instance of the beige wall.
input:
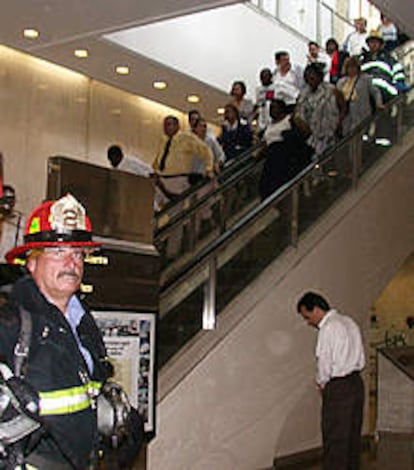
(49, 110)
(252, 396)
(396, 302)
(395, 397)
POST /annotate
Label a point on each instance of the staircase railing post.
(209, 304)
(400, 108)
(294, 222)
(355, 151)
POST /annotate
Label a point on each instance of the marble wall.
(395, 398)
(47, 110)
(395, 304)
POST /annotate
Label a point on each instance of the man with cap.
(386, 72)
(66, 362)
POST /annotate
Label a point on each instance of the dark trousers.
(342, 412)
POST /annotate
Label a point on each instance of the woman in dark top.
(286, 155)
(235, 136)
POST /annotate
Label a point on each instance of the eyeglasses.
(62, 252)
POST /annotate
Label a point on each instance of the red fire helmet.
(55, 223)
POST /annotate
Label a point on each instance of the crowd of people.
(299, 112)
(319, 101)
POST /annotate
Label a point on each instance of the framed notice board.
(130, 341)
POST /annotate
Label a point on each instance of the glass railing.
(244, 234)
(186, 200)
(312, 21)
(405, 55)
(186, 226)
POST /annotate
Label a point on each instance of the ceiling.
(67, 25)
(399, 11)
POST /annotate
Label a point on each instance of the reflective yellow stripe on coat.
(68, 400)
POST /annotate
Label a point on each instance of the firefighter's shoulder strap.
(22, 348)
(18, 398)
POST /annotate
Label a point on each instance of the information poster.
(130, 341)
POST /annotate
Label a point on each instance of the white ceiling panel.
(68, 24)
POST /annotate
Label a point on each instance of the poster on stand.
(130, 342)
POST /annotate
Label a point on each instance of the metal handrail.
(246, 220)
(284, 215)
(221, 241)
(338, 15)
(227, 172)
(234, 176)
(282, 23)
(294, 31)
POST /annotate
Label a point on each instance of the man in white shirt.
(340, 357)
(123, 162)
(316, 54)
(355, 42)
(287, 79)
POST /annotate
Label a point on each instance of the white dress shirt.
(288, 86)
(136, 166)
(339, 349)
(355, 43)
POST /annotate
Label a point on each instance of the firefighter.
(387, 73)
(66, 362)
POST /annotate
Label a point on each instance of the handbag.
(348, 101)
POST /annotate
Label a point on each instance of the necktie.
(165, 154)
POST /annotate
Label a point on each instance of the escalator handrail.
(219, 243)
(226, 173)
(248, 163)
(233, 177)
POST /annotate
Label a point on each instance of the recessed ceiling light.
(159, 85)
(193, 98)
(220, 110)
(122, 69)
(30, 33)
(81, 53)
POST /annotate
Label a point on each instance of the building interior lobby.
(223, 367)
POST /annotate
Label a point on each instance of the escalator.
(242, 396)
(245, 236)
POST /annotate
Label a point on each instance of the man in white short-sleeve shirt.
(340, 357)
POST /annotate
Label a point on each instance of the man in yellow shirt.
(175, 157)
(173, 164)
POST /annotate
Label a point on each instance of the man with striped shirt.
(386, 72)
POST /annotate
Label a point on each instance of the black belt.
(352, 374)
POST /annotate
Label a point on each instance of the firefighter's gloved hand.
(26, 396)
